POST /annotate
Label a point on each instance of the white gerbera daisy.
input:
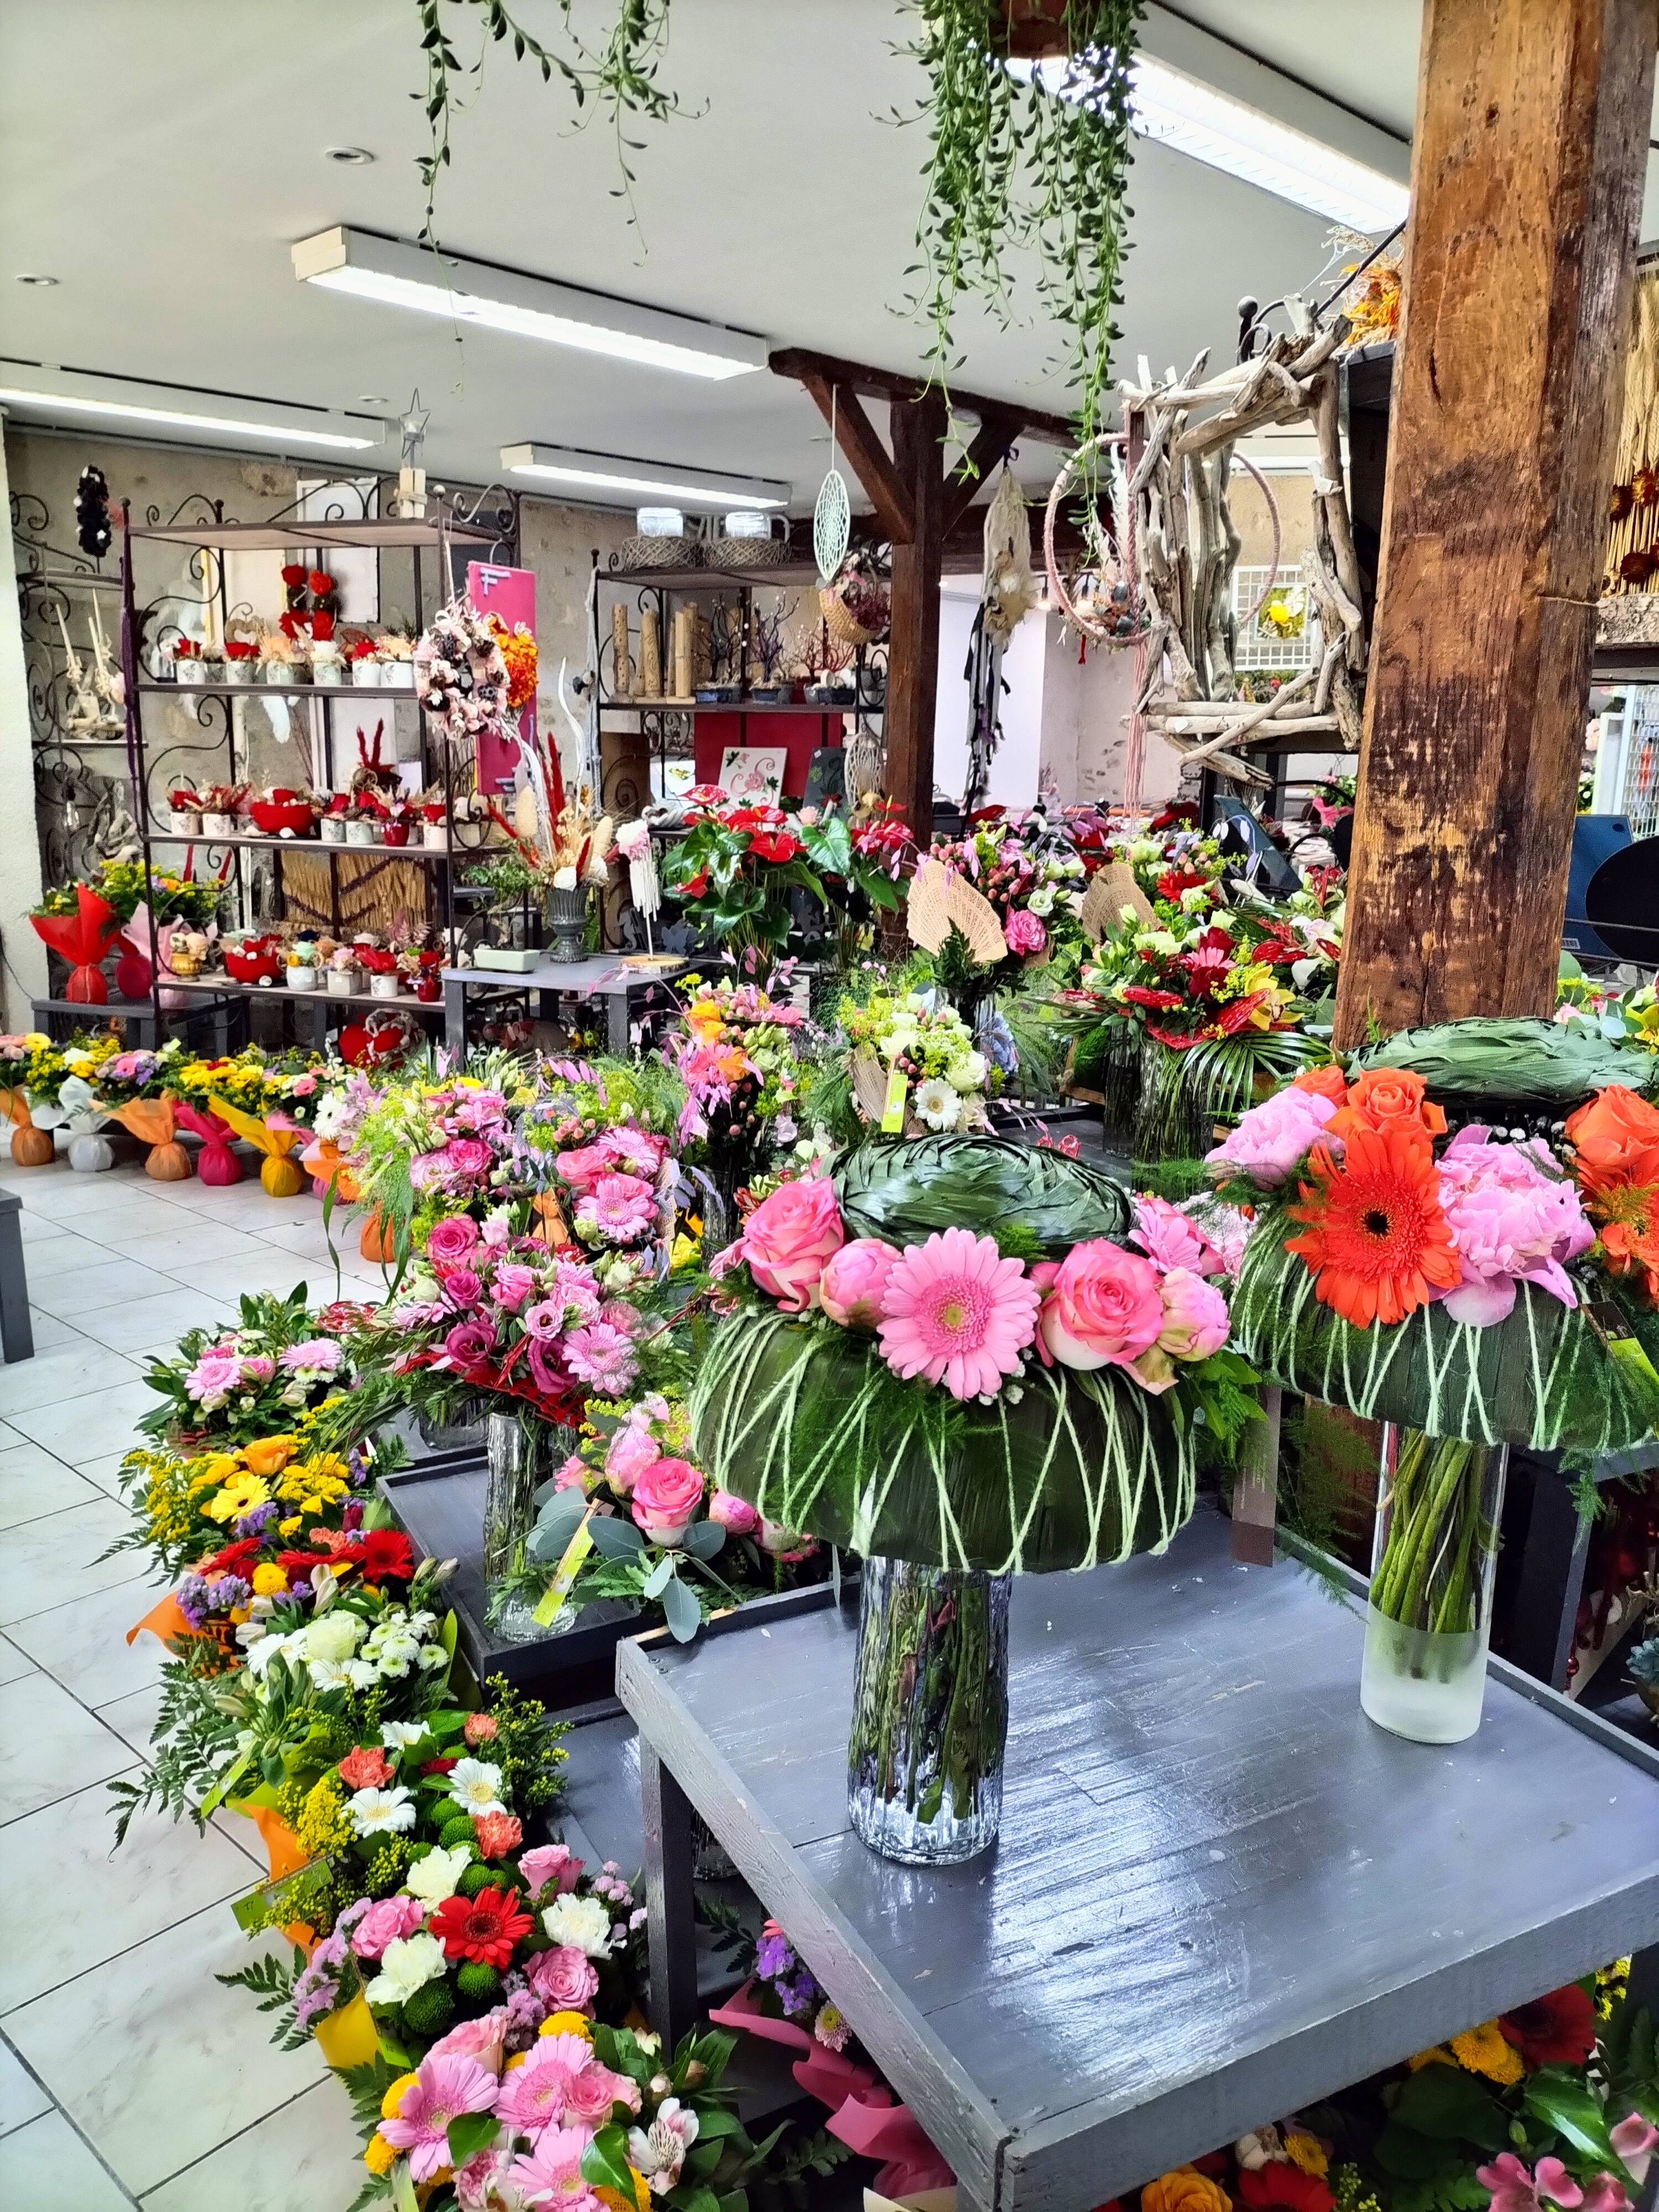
(397, 1736)
(381, 1812)
(939, 1105)
(475, 1786)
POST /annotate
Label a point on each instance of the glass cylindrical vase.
(1428, 1620)
(930, 1711)
(515, 1455)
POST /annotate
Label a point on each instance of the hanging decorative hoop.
(832, 514)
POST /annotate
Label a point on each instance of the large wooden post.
(918, 433)
(1527, 169)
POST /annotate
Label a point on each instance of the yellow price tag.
(892, 1112)
(553, 1598)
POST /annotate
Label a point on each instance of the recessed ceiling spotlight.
(371, 399)
(45, 281)
(358, 157)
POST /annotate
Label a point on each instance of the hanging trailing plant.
(1024, 151)
(619, 76)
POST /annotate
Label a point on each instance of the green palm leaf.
(904, 1188)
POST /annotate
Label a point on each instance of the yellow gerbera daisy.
(236, 1498)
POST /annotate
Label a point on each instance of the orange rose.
(1186, 2190)
(1385, 1095)
(1327, 1082)
(1618, 1133)
(269, 1456)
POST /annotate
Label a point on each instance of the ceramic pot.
(333, 829)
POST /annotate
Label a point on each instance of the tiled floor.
(127, 2075)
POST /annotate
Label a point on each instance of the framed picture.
(754, 772)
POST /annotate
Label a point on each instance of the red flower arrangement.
(241, 648)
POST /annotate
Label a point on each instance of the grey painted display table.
(621, 990)
(1220, 1892)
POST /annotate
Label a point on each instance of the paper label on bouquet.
(892, 1113)
(564, 1574)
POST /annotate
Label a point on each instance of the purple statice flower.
(192, 1596)
(525, 2014)
(230, 1591)
(773, 1957)
(357, 1470)
(257, 1523)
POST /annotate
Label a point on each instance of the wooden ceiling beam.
(882, 484)
(887, 384)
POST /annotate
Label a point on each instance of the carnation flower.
(443, 2088)
(406, 1966)
(788, 1238)
(582, 1922)
(1103, 1307)
(498, 1833)
(480, 1728)
(436, 1875)
(957, 1312)
(388, 1920)
(367, 1768)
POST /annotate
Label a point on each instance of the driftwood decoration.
(1180, 436)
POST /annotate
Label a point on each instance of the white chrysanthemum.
(475, 1786)
(381, 1812)
(938, 1104)
(582, 1921)
(437, 1874)
(407, 1964)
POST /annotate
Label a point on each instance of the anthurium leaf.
(470, 2132)
(1451, 2105)
(1563, 2100)
(613, 1539)
(604, 2162)
(684, 1615)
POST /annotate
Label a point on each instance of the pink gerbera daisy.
(552, 2173)
(957, 1312)
(602, 1357)
(621, 1208)
(443, 2088)
(534, 2095)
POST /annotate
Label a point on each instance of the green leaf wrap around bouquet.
(904, 1188)
(1545, 1378)
(806, 1421)
(1515, 1061)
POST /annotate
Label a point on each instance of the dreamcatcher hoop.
(832, 516)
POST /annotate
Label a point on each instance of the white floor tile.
(134, 1717)
(130, 1214)
(82, 1290)
(164, 1873)
(152, 2033)
(89, 1427)
(67, 1253)
(14, 1663)
(56, 1561)
(22, 2097)
(36, 1229)
(191, 1242)
(50, 1333)
(32, 1483)
(130, 1324)
(84, 1645)
(104, 1471)
(227, 1281)
(61, 1193)
(74, 1371)
(50, 1748)
(46, 2167)
(308, 2154)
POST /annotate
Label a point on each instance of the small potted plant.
(333, 826)
(185, 952)
(302, 966)
(219, 804)
(280, 812)
(212, 660)
(428, 809)
(382, 966)
(185, 811)
(426, 980)
(256, 959)
(241, 659)
(363, 660)
(279, 659)
(363, 820)
(394, 654)
(344, 969)
(188, 665)
(327, 661)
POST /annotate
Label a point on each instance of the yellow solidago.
(1612, 1987)
(322, 1826)
(1483, 2050)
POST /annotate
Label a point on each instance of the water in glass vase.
(930, 1711)
(1428, 1620)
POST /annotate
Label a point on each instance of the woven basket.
(741, 553)
(840, 622)
(637, 553)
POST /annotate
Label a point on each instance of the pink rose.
(582, 1168)
(1103, 1307)
(788, 1238)
(469, 1342)
(388, 1921)
(1023, 933)
(631, 1450)
(462, 1288)
(1194, 1316)
(484, 2040)
(562, 1978)
(258, 1367)
(1274, 1138)
(735, 1514)
(546, 1862)
(573, 1474)
(514, 1283)
(468, 1156)
(1170, 1238)
(666, 1497)
(594, 2090)
(855, 1281)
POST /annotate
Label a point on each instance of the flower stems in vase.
(1429, 1618)
(930, 1711)
(514, 1451)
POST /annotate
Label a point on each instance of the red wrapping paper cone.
(83, 938)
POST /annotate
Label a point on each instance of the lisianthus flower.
(957, 1312)
(442, 2090)
(514, 1283)
(469, 1342)
(547, 1863)
(475, 1786)
(484, 1926)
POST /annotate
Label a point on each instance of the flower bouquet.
(857, 604)
(235, 1386)
(31, 1147)
(914, 1066)
(947, 1359)
(82, 936)
(461, 676)
(736, 870)
(737, 1057)
(1471, 1290)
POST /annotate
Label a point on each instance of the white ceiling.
(160, 161)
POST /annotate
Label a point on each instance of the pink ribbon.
(862, 2113)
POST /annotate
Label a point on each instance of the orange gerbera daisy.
(1375, 1238)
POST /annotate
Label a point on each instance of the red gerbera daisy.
(387, 1555)
(1556, 2030)
(484, 1927)
(1280, 2187)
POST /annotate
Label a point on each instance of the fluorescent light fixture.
(433, 283)
(601, 474)
(1225, 133)
(57, 391)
